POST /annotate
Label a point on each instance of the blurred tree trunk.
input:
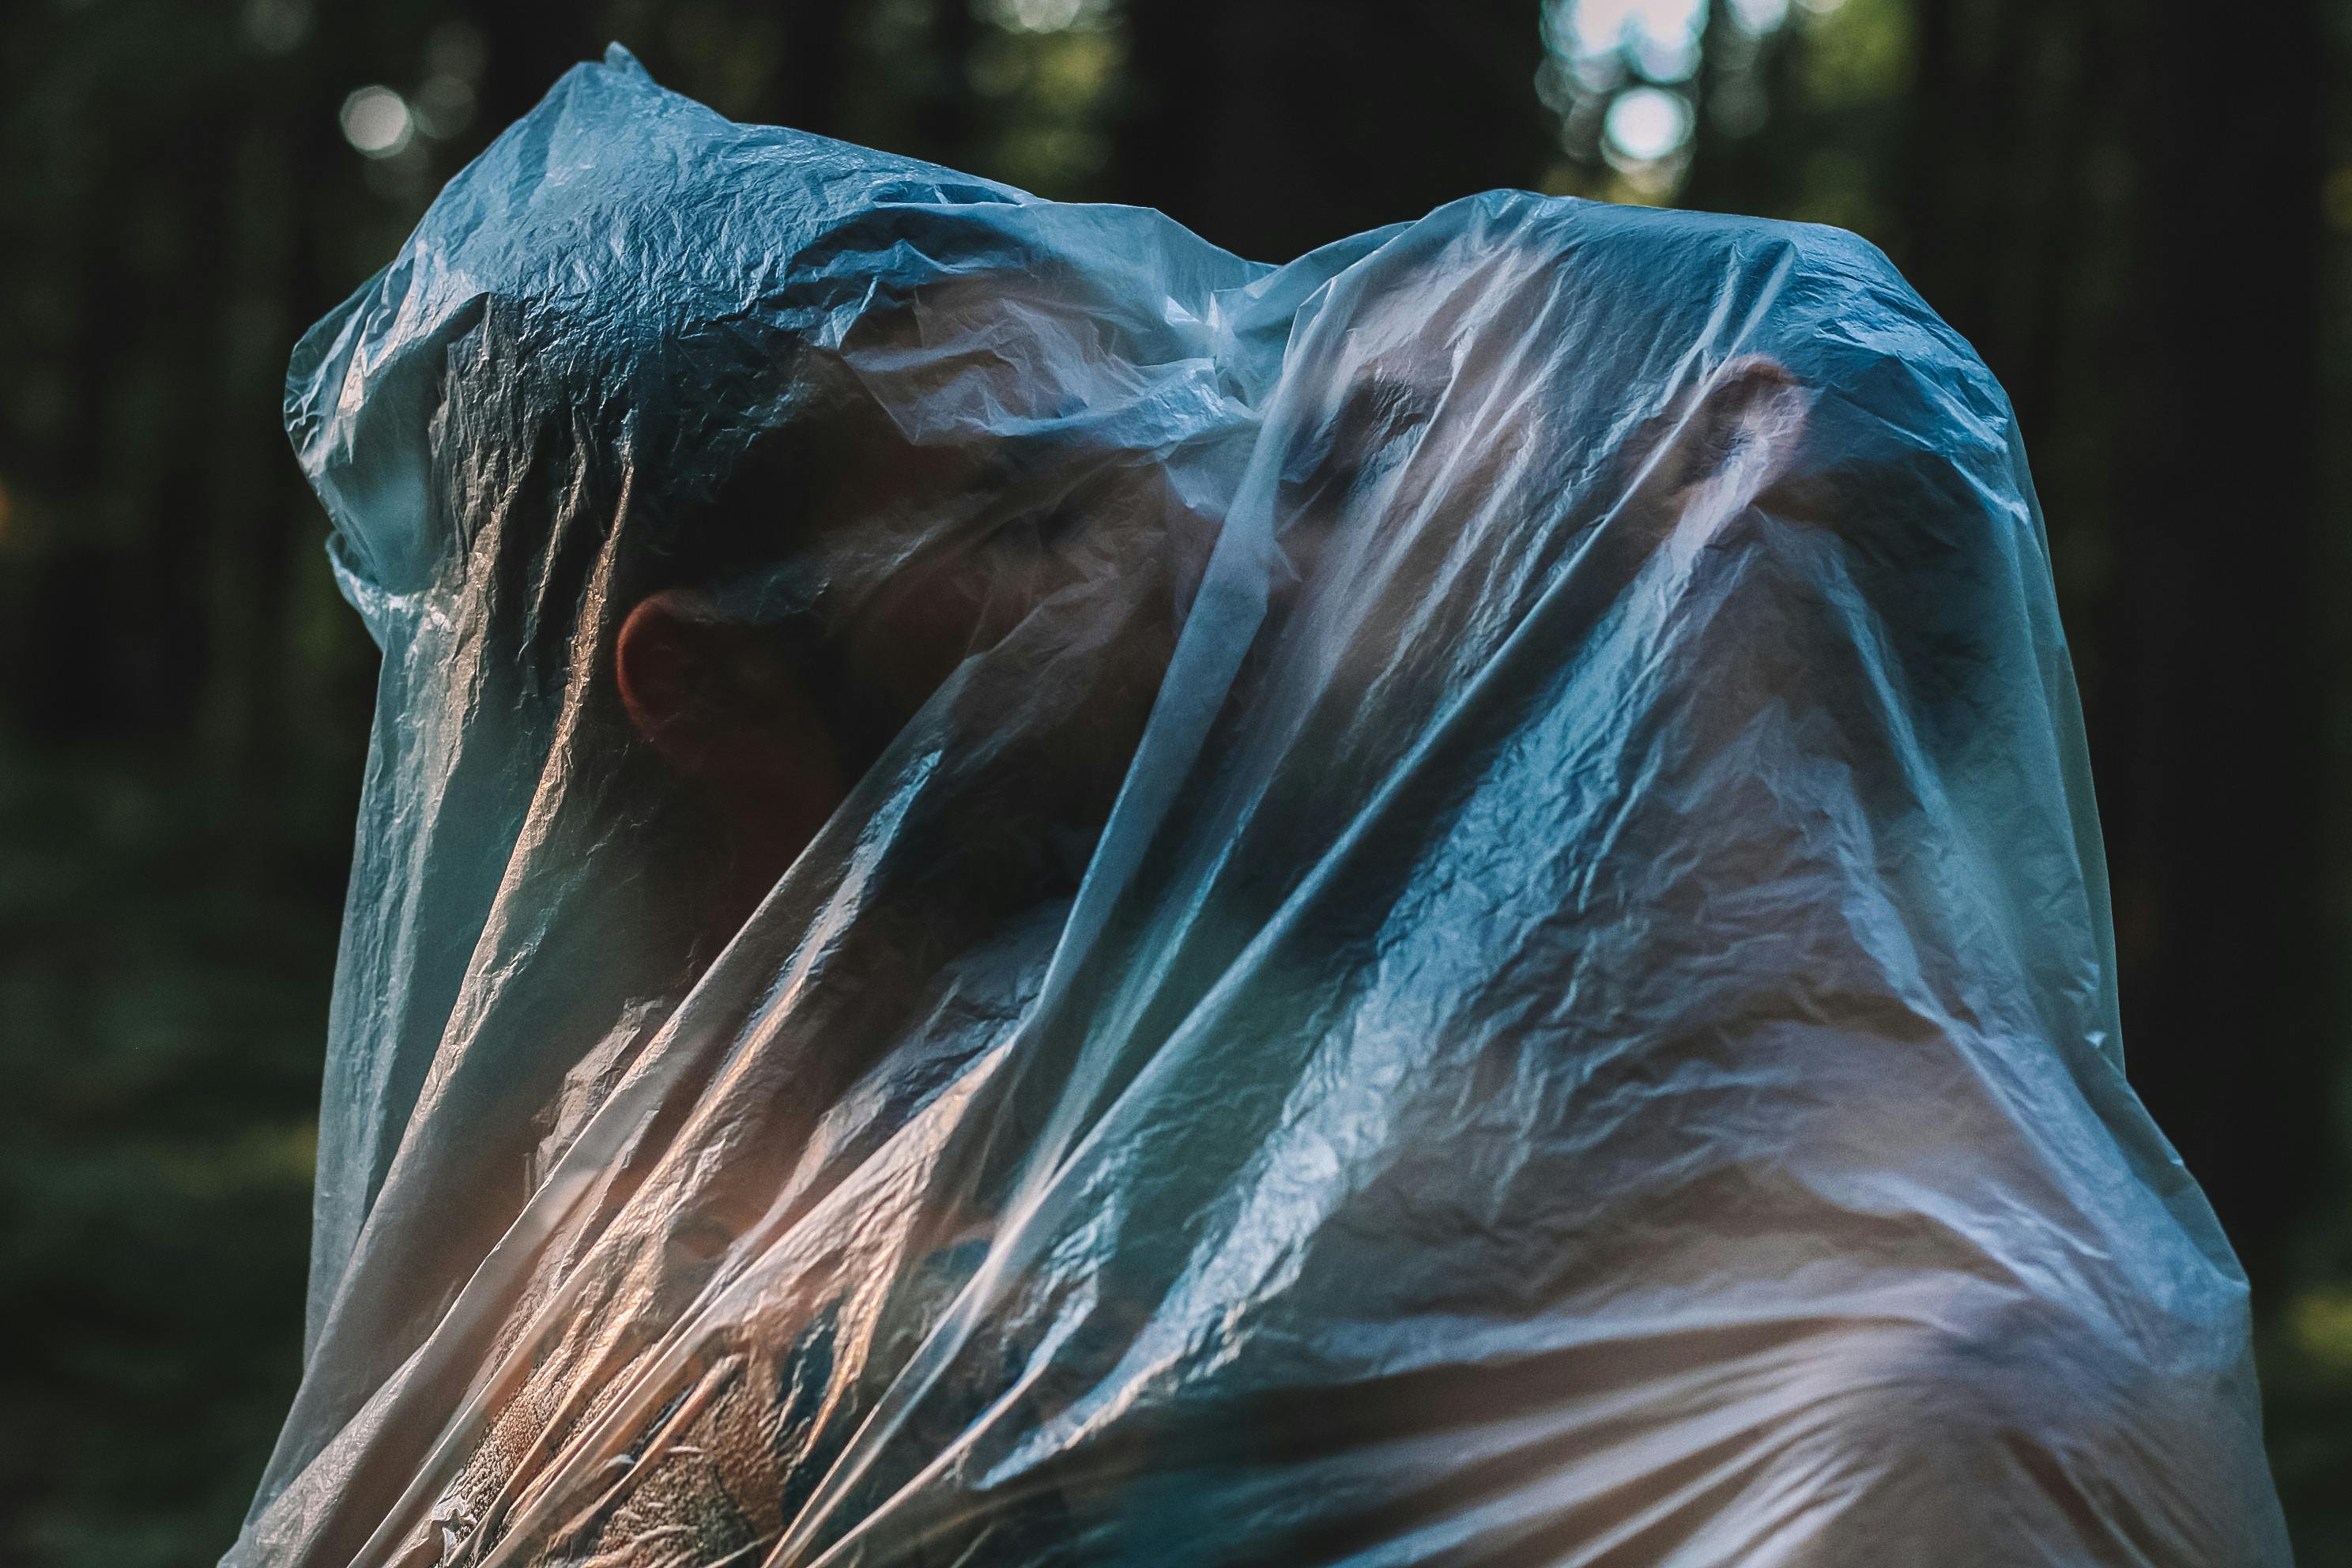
(2211, 767)
(946, 114)
(1995, 193)
(529, 44)
(1274, 130)
(1752, 168)
(815, 64)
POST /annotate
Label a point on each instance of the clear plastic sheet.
(1461, 923)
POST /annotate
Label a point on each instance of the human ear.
(1738, 438)
(722, 702)
(664, 663)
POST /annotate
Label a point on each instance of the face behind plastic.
(1465, 925)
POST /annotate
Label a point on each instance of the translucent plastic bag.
(1438, 905)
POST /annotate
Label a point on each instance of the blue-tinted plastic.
(1495, 951)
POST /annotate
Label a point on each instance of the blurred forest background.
(2140, 211)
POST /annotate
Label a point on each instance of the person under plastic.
(1027, 894)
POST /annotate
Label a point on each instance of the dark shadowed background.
(2139, 211)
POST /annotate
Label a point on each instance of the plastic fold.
(1459, 919)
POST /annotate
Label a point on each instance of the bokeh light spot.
(2335, 197)
(1646, 123)
(376, 121)
(1664, 30)
(444, 105)
(2321, 1322)
(1047, 15)
(277, 27)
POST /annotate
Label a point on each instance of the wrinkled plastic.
(1494, 950)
